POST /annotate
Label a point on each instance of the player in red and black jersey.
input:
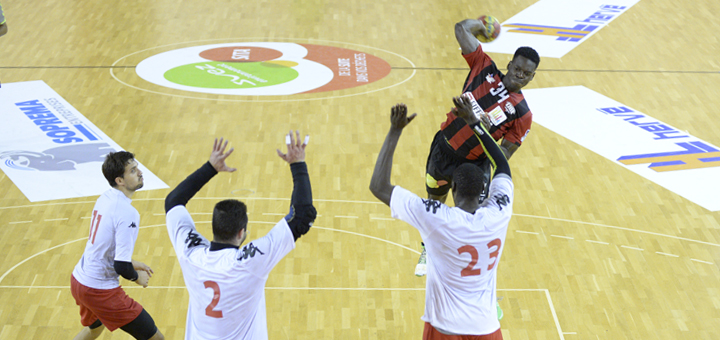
(504, 111)
(500, 106)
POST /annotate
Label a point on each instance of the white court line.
(598, 242)
(552, 309)
(701, 261)
(51, 248)
(565, 237)
(20, 222)
(341, 216)
(201, 222)
(666, 254)
(56, 219)
(372, 237)
(273, 214)
(380, 203)
(85, 218)
(382, 218)
(640, 249)
(527, 232)
(619, 228)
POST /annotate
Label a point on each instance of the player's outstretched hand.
(143, 278)
(399, 118)
(218, 156)
(463, 109)
(296, 148)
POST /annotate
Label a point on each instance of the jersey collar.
(219, 246)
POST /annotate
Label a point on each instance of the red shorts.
(430, 333)
(111, 306)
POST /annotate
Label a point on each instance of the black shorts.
(441, 164)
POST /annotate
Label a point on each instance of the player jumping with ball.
(500, 106)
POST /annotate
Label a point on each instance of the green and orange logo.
(262, 68)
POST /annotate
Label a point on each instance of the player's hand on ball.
(296, 148)
(399, 118)
(143, 278)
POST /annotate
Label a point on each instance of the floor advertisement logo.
(49, 149)
(655, 150)
(556, 27)
(262, 68)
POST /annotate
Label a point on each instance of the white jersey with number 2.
(463, 252)
(227, 286)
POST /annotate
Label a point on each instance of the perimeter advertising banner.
(51, 151)
(555, 27)
(674, 159)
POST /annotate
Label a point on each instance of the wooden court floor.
(594, 251)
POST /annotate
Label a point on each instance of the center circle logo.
(262, 68)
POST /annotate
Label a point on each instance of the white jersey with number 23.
(463, 252)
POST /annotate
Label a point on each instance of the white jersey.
(463, 252)
(227, 286)
(113, 231)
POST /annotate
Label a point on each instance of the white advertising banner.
(51, 151)
(554, 27)
(674, 159)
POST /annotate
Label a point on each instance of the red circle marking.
(241, 54)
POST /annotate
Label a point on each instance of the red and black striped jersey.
(507, 110)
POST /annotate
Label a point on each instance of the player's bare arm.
(193, 183)
(465, 32)
(508, 148)
(3, 29)
(380, 184)
(302, 212)
(463, 109)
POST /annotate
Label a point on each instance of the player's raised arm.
(465, 32)
(193, 183)
(302, 212)
(463, 109)
(380, 184)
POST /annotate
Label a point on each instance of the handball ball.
(492, 25)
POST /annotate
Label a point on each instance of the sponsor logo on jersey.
(497, 116)
(262, 68)
(510, 109)
(555, 27)
(431, 205)
(193, 239)
(249, 251)
(501, 201)
(655, 150)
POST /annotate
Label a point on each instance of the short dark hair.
(469, 181)
(529, 53)
(229, 217)
(114, 165)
